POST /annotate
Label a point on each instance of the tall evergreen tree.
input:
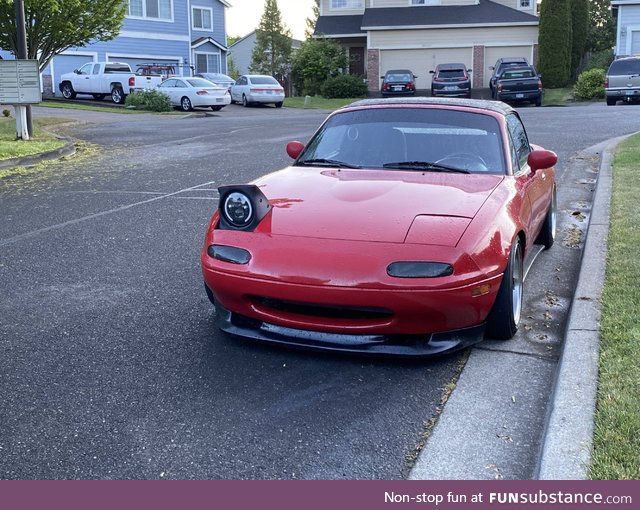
(554, 40)
(272, 52)
(579, 31)
(311, 22)
(602, 27)
(57, 25)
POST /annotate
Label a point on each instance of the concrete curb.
(568, 435)
(66, 150)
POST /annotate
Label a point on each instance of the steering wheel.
(464, 161)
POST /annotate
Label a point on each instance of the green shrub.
(151, 100)
(344, 85)
(599, 60)
(590, 84)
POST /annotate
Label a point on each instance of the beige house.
(419, 34)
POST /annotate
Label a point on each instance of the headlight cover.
(242, 207)
(419, 269)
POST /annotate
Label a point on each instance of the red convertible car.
(404, 226)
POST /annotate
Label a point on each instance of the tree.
(54, 26)
(272, 52)
(311, 22)
(314, 62)
(554, 40)
(602, 27)
(579, 30)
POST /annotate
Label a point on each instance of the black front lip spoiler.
(427, 345)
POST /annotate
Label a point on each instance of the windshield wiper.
(334, 163)
(424, 165)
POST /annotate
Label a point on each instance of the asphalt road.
(110, 364)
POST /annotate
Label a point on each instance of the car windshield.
(263, 80)
(409, 139)
(200, 82)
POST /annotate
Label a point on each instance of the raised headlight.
(237, 209)
(242, 207)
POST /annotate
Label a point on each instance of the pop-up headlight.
(242, 207)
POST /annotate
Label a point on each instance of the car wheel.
(611, 101)
(98, 97)
(216, 108)
(279, 104)
(117, 96)
(504, 317)
(539, 101)
(245, 103)
(67, 91)
(185, 104)
(548, 233)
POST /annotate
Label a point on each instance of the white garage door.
(423, 61)
(493, 53)
(63, 64)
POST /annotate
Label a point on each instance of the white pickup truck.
(100, 79)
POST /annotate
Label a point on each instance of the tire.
(504, 317)
(611, 101)
(245, 103)
(539, 101)
(216, 108)
(98, 97)
(279, 104)
(185, 104)
(547, 235)
(117, 95)
(67, 90)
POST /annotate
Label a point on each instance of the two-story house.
(187, 33)
(419, 34)
(627, 15)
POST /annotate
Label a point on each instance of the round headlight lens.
(238, 209)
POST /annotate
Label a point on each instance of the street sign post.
(20, 86)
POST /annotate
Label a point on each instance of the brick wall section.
(373, 70)
(535, 55)
(478, 67)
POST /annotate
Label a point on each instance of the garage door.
(423, 61)
(493, 53)
(66, 64)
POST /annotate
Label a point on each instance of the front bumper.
(425, 345)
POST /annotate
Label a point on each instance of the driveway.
(112, 368)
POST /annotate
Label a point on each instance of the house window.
(151, 9)
(207, 62)
(346, 4)
(202, 18)
(524, 4)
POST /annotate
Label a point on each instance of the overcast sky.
(244, 16)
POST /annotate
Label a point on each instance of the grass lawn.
(617, 424)
(318, 102)
(40, 142)
(557, 96)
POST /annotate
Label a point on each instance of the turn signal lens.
(419, 269)
(481, 290)
(229, 254)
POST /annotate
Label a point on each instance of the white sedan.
(188, 93)
(257, 88)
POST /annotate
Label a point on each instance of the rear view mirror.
(294, 149)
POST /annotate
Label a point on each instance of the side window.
(169, 83)
(96, 69)
(520, 142)
(179, 83)
(85, 69)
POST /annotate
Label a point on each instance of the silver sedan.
(257, 88)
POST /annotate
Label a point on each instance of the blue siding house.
(188, 33)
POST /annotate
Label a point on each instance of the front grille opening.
(328, 311)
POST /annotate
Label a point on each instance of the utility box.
(20, 82)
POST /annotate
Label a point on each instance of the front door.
(356, 61)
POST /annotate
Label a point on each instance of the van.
(623, 80)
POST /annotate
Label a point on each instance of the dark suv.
(501, 65)
(451, 80)
(623, 80)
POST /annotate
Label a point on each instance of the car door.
(536, 186)
(238, 89)
(82, 78)
(168, 87)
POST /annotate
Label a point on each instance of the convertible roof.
(494, 106)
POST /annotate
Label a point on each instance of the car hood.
(369, 205)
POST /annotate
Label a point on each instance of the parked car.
(501, 65)
(519, 85)
(257, 88)
(188, 93)
(402, 227)
(219, 79)
(451, 80)
(623, 80)
(100, 79)
(398, 82)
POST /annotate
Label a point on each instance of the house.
(627, 14)
(419, 34)
(187, 33)
(241, 51)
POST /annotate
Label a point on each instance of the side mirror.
(77, 71)
(415, 76)
(432, 72)
(469, 70)
(294, 149)
(541, 158)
